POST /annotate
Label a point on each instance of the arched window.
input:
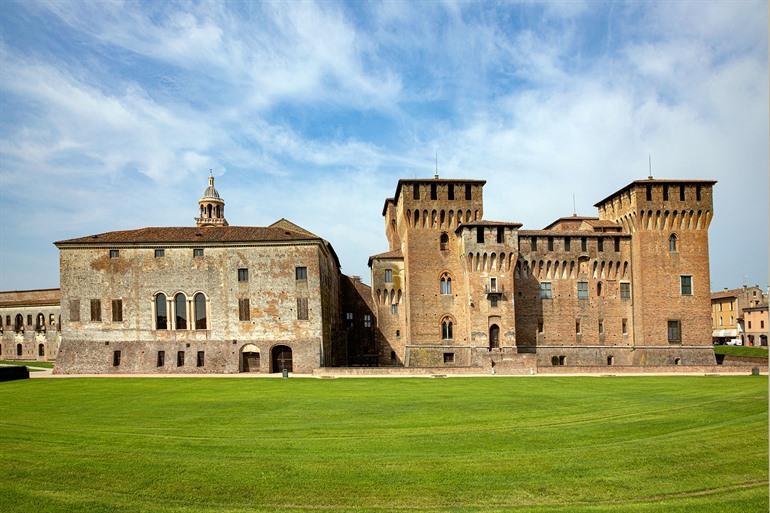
(19, 324)
(208, 210)
(218, 211)
(40, 322)
(161, 316)
(180, 311)
(446, 284)
(599, 288)
(200, 311)
(446, 329)
(444, 241)
(673, 245)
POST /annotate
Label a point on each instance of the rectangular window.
(583, 244)
(600, 244)
(550, 243)
(540, 326)
(480, 234)
(674, 331)
(493, 301)
(545, 290)
(96, 310)
(449, 358)
(500, 234)
(749, 324)
(416, 191)
(451, 192)
(29, 319)
(685, 283)
(388, 275)
(197, 252)
(117, 310)
(302, 311)
(201, 359)
(114, 253)
(566, 243)
(617, 244)
(761, 325)
(301, 273)
(161, 358)
(649, 193)
(601, 327)
(582, 290)
(159, 253)
(625, 290)
(433, 194)
(367, 321)
(243, 275)
(180, 358)
(244, 311)
(394, 309)
(533, 243)
(493, 284)
(75, 310)
(468, 191)
(697, 193)
(115, 358)
(665, 193)
(577, 326)
(624, 326)
(349, 319)
(681, 193)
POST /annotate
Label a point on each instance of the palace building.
(627, 287)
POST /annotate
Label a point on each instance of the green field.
(543, 444)
(32, 363)
(741, 350)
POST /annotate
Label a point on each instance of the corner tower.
(212, 207)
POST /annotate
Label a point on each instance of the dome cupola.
(212, 207)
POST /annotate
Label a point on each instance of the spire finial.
(435, 176)
(574, 209)
(649, 160)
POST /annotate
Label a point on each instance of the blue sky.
(113, 113)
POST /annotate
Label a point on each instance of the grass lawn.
(741, 350)
(33, 363)
(544, 444)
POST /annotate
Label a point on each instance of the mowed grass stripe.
(365, 444)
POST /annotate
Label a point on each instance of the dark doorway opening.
(494, 336)
(281, 356)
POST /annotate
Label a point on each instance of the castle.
(629, 287)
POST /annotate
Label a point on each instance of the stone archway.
(281, 358)
(250, 359)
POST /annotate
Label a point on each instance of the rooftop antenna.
(649, 160)
(435, 176)
(574, 209)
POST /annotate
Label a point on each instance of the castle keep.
(628, 287)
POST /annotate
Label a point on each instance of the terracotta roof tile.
(192, 235)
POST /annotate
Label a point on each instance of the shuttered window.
(75, 310)
(302, 313)
(244, 312)
(117, 310)
(96, 310)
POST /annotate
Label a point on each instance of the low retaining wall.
(751, 361)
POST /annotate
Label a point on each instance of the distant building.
(727, 312)
(755, 322)
(30, 324)
(629, 287)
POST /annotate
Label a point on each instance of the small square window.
(394, 309)
(243, 275)
(686, 285)
(159, 253)
(545, 290)
(449, 357)
(367, 321)
(197, 252)
(582, 290)
(625, 290)
(349, 319)
(301, 273)
(114, 253)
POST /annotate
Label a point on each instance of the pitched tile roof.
(192, 235)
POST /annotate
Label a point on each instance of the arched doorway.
(281, 357)
(250, 358)
(494, 336)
